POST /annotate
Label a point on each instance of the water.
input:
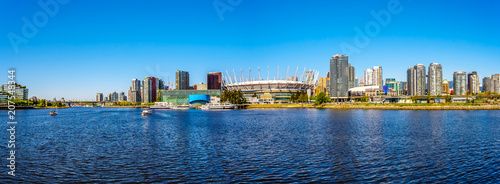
(282, 145)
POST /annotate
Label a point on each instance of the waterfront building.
(135, 97)
(271, 91)
(459, 83)
(356, 82)
(181, 80)
(495, 83)
(99, 97)
(352, 76)
(134, 92)
(411, 74)
(392, 84)
(109, 97)
(339, 79)
(136, 85)
(178, 97)
(446, 87)
(20, 92)
(214, 80)
(106, 98)
(473, 83)
(435, 79)
(486, 84)
(368, 77)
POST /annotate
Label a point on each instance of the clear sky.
(85, 47)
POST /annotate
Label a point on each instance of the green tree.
(321, 98)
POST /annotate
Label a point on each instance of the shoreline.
(378, 106)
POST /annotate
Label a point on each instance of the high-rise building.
(356, 82)
(446, 87)
(435, 79)
(214, 80)
(473, 83)
(495, 83)
(378, 78)
(99, 97)
(339, 76)
(323, 85)
(368, 77)
(134, 92)
(404, 88)
(361, 82)
(20, 92)
(149, 89)
(486, 84)
(181, 80)
(459, 83)
(352, 76)
(411, 75)
(109, 97)
(420, 72)
(114, 97)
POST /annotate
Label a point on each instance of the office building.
(339, 77)
(181, 80)
(214, 80)
(473, 83)
(486, 84)
(435, 79)
(99, 97)
(459, 83)
(114, 97)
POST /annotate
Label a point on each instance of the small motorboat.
(146, 112)
(53, 113)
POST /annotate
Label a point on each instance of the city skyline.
(82, 54)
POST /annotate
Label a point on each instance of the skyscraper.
(411, 75)
(114, 97)
(420, 72)
(435, 79)
(181, 80)
(378, 77)
(339, 76)
(352, 76)
(99, 97)
(459, 83)
(149, 90)
(135, 91)
(486, 84)
(368, 77)
(214, 80)
(495, 83)
(473, 81)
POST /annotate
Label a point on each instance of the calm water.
(283, 145)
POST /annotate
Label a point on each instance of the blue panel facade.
(199, 99)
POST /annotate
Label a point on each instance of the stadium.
(265, 91)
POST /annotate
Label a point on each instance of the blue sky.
(99, 46)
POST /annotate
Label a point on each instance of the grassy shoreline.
(382, 106)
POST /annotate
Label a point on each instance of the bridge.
(94, 103)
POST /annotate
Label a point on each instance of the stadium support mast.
(235, 79)
(258, 68)
(229, 76)
(288, 68)
(297, 73)
(250, 74)
(278, 75)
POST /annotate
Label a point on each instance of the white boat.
(146, 112)
(218, 106)
(160, 105)
(181, 107)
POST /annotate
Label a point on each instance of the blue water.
(282, 145)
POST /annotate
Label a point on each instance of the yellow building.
(446, 87)
(323, 86)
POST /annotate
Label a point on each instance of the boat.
(146, 112)
(218, 106)
(181, 107)
(160, 105)
(53, 113)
